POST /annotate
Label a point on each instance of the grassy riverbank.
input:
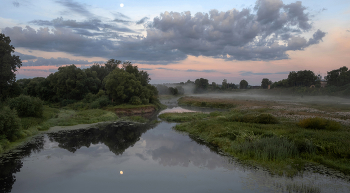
(68, 117)
(281, 145)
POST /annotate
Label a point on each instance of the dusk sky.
(180, 40)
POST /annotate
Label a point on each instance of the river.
(128, 157)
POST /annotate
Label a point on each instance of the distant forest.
(337, 82)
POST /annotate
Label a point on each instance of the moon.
(121, 5)
(121, 172)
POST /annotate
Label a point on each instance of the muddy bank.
(135, 111)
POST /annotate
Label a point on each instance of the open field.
(286, 137)
(290, 107)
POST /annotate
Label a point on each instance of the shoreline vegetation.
(259, 134)
(67, 116)
(69, 96)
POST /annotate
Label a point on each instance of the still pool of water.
(124, 157)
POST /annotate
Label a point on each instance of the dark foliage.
(243, 84)
(10, 124)
(201, 84)
(338, 77)
(8, 66)
(27, 106)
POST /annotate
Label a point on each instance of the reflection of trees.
(118, 137)
(12, 163)
(167, 151)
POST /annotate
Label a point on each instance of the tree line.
(112, 83)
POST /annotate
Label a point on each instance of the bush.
(66, 102)
(145, 101)
(134, 100)
(100, 102)
(10, 124)
(89, 97)
(4, 143)
(215, 114)
(103, 101)
(319, 123)
(263, 118)
(266, 118)
(27, 106)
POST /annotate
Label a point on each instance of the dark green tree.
(112, 64)
(224, 84)
(173, 90)
(8, 66)
(338, 77)
(121, 86)
(69, 82)
(142, 76)
(201, 84)
(243, 84)
(93, 83)
(302, 78)
(180, 90)
(265, 83)
(100, 70)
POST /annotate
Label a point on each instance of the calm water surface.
(136, 158)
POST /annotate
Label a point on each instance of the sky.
(181, 40)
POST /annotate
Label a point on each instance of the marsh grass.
(282, 147)
(319, 123)
(67, 117)
(183, 117)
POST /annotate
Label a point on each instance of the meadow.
(284, 138)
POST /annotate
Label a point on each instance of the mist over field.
(277, 96)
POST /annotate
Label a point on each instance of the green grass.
(70, 117)
(137, 118)
(30, 126)
(283, 147)
(183, 117)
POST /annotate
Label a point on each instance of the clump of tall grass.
(268, 149)
(263, 118)
(319, 123)
(215, 114)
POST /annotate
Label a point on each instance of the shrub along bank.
(261, 139)
(24, 116)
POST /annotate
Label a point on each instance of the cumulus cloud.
(59, 39)
(266, 32)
